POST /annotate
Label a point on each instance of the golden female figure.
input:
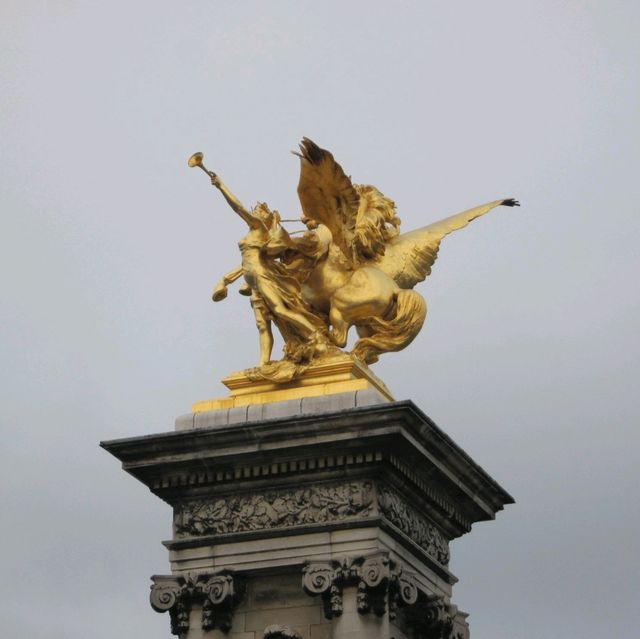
(275, 293)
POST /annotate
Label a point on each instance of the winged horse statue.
(352, 267)
(370, 269)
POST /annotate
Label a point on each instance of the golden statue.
(351, 267)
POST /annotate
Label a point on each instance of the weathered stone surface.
(278, 410)
(278, 591)
(185, 422)
(211, 419)
(297, 617)
(328, 403)
(354, 625)
(369, 397)
(320, 631)
(238, 415)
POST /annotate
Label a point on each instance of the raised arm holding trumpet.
(275, 292)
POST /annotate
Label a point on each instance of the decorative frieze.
(396, 509)
(318, 504)
(217, 593)
(283, 508)
(380, 581)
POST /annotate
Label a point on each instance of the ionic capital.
(218, 593)
(382, 584)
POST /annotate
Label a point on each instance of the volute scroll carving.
(164, 593)
(218, 593)
(169, 593)
(325, 579)
(403, 592)
(382, 585)
(373, 575)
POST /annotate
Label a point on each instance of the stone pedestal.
(318, 518)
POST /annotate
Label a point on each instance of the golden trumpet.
(197, 160)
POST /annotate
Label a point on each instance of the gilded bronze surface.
(351, 268)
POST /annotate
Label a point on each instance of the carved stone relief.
(218, 593)
(275, 509)
(323, 503)
(414, 525)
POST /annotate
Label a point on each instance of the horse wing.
(327, 194)
(409, 257)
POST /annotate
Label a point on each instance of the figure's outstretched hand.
(510, 202)
(215, 180)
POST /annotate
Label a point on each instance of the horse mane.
(376, 222)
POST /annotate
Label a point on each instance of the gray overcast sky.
(529, 358)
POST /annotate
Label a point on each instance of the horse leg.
(339, 327)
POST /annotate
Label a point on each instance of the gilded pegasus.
(367, 274)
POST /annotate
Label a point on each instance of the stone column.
(313, 519)
(353, 625)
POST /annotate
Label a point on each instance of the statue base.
(342, 374)
(319, 518)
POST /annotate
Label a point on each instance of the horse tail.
(396, 333)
